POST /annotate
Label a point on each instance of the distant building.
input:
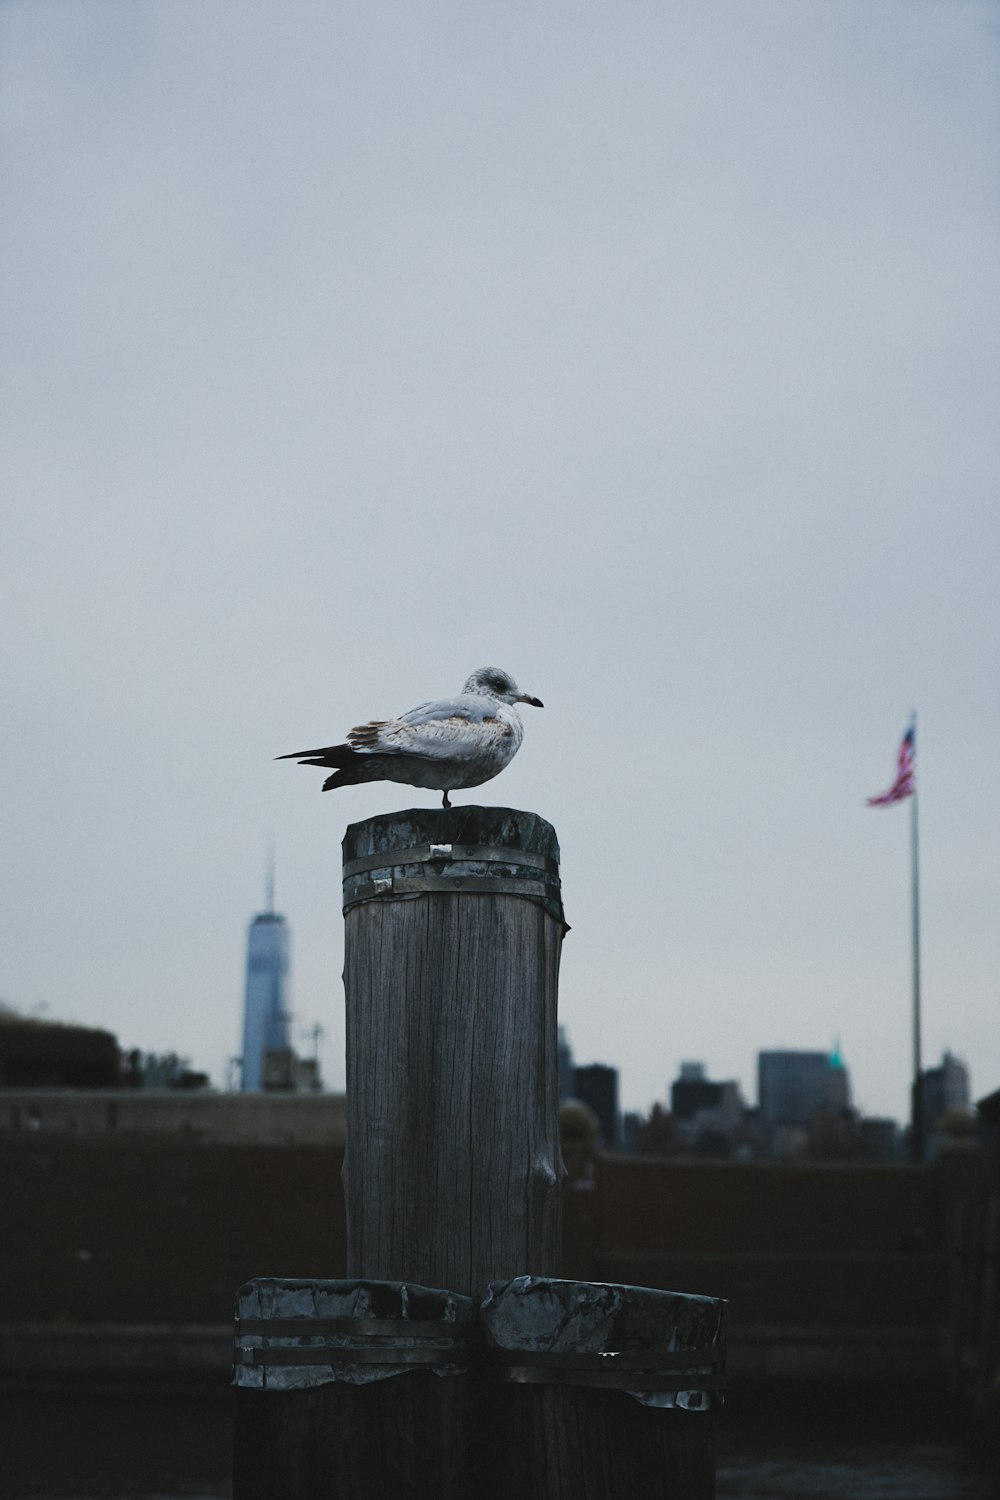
(269, 1061)
(692, 1091)
(565, 1055)
(633, 1124)
(658, 1134)
(265, 1010)
(944, 1088)
(285, 1069)
(694, 1096)
(597, 1087)
(837, 1087)
(879, 1139)
(163, 1070)
(38, 1054)
(793, 1086)
(708, 1114)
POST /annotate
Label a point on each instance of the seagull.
(450, 743)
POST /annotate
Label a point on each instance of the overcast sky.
(649, 351)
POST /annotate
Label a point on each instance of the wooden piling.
(454, 927)
(601, 1392)
(388, 1382)
(350, 1390)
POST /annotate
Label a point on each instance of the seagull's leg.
(445, 802)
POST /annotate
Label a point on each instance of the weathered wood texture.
(565, 1443)
(554, 1423)
(350, 1390)
(451, 1176)
(403, 1437)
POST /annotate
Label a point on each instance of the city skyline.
(650, 356)
(797, 1074)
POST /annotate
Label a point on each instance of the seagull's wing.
(459, 728)
(466, 706)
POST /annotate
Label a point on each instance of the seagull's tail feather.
(328, 755)
(356, 770)
(349, 776)
(348, 766)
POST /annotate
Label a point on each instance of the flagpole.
(917, 1101)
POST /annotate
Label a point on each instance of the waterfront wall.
(263, 1119)
(837, 1268)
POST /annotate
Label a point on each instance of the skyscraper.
(944, 1088)
(597, 1087)
(706, 1114)
(265, 1012)
(792, 1086)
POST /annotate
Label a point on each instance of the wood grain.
(452, 1171)
(403, 1438)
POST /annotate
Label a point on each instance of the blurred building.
(633, 1124)
(708, 1115)
(36, 1053)
(266, 1045)
(160, 1070)
(597, 1087)
(565, 1056)
(944, 1088)
(837, 1086)
(657, 1134)
(269, 1061)
(793, 1086)
(694, 1097)
(692, 1091)
(880, 1139)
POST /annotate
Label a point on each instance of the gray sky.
(647, 351)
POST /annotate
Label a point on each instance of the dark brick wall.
(151, 1231)
(160, 1232)
(724, 1206)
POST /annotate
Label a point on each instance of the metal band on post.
(437, 1341)
(455, 865)
(340, 1354)
(422, 853)
(621, 1370)
(399, 885)
(301, 1334)
(310, 1328)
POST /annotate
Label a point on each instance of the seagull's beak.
(535, 702)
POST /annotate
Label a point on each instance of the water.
(928, 1471)
(57, 1448)
(116, 1448)
(880, 1443)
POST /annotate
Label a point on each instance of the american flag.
(905, 783)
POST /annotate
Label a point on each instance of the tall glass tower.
(265, 1012)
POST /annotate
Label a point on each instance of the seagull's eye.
(498, 684)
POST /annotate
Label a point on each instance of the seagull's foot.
(444, 800)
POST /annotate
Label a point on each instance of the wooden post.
(453, 933)
(377, 1385)
(350, 1390)
(603, 1392)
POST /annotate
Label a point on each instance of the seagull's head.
(494, 682)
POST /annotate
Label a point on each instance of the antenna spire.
(269, 878)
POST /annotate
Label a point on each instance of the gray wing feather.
(462, 729)
(465, 706)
